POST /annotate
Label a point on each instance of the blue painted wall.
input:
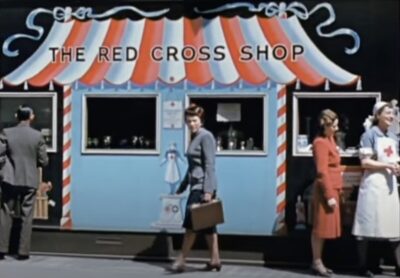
(122, 192)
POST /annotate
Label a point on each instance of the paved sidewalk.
(74, 267)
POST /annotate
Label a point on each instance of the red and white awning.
(313, 68)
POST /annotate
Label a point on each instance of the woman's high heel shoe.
(321, 272)
(211, 267)
(177, 268)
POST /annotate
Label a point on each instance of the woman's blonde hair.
(326, 118)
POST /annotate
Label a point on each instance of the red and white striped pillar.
(66, 220)
(281, 161)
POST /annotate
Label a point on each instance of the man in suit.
(25, 151)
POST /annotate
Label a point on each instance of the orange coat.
(328, 184)
(327, 161)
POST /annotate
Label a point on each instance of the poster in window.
(228, 112)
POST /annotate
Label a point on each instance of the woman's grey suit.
(200, 175)
(201, 157)
(23, 150)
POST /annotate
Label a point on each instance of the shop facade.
(114, 91)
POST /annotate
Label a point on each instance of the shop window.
(120, 124)
(237, 122)
(44, 106)
(352, 109)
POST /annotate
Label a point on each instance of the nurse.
(378, 208)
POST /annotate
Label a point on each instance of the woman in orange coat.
(327, 187)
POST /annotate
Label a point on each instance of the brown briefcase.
(206, 215)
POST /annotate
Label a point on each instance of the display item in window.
(89, 143)
(135, 141)
(219, 144)
(46, 132)
(378, 206)
(340, 135)
(147, 143)
(250, 144)
(96, 142)
(123, 143)
(302, 143)
(141, 142)
(107, 140)
(231, 136)
(300, 214)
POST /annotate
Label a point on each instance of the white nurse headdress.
(378, 106)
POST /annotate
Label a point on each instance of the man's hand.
(45, 187)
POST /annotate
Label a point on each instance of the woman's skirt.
(195, 197)
(327, 223)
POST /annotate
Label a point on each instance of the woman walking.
(202, 181)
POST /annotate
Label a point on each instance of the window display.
(352, 109)
(120, 124)
(237, 122)
(44, 106)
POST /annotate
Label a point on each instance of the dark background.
(377, 61)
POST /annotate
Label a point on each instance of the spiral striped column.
(66, 220)
(281, 161)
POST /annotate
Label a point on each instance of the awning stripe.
(121, 71)
(75, 39)
(248, 70)
(42, 57)
(197, 71)
(313, 55)
(146, 70)
(223, 70)
(91, 45)
(99, 68)
(272, 30)
(171, 70)
(273, 68)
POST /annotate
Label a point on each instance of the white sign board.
(172, 114)
(228, 112)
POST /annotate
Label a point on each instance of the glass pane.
(242, 130)
(121, 123)
(42, 107)
(350, 123)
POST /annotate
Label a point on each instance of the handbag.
(206, 215)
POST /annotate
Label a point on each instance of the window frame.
(84, 125)
(323, 95)
(265, 100)
(53, 96)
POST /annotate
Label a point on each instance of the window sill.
(120, 152)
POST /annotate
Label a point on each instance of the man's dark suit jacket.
(25, 150)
